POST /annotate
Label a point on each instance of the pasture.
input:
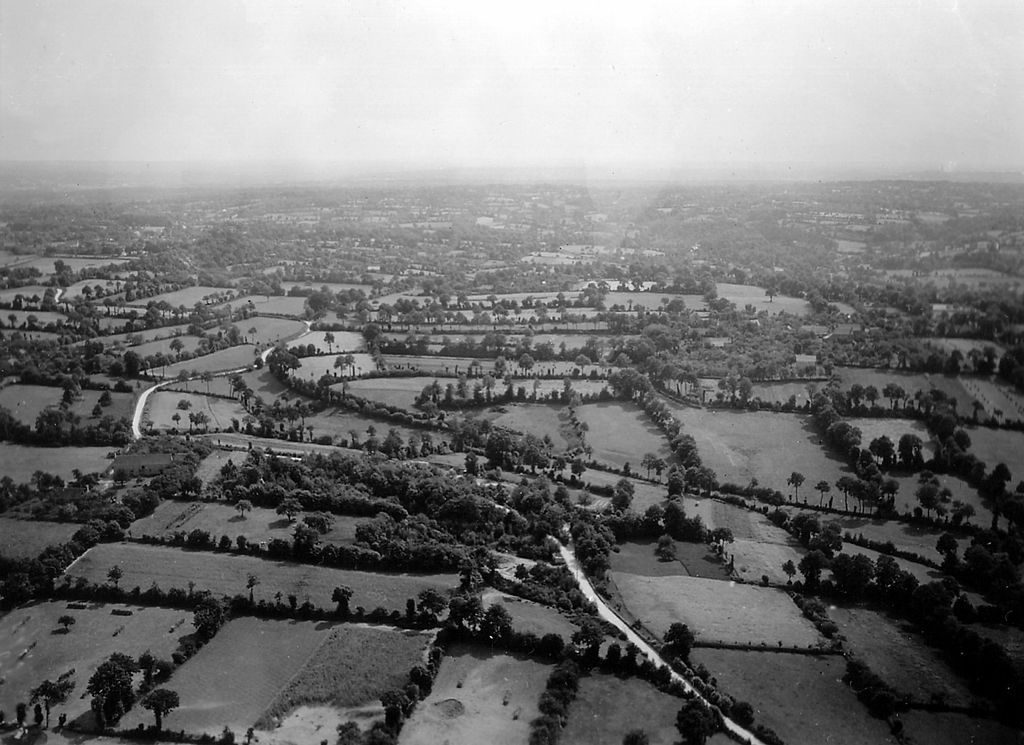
(26, 402)
(237, 675)
(531, 617)
(392, 391)
(289, 285)
(210, 466)
(744, 295)
(269, 331)
(947, 728)
(218, 518)
(189, 296)
(621, 433)
(344, 341)
(163, 405)
(920, 539)
(339, 424)
(34, 647)
(275, 305)
(313, 368)
(20, 319)
(25, 539)
(607, 707)
(478, 697)
(759, 547)
(163, 346)
(923, 573)
(353, 666)
(692, 560)
(906, 500)
(21, 461)
(874, 427)
(232, 358)
(8, 294)
(900, 657)
(802, 698)
(767, 446)
(995, 446)
(910, 382)
(716, 611)
(535, 419)
(226, 574)
(998, 399)
(780, 393)
(260, 381)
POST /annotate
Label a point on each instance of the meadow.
(25, 539)
(621, 433)
(910, 382)
(874, 427)
(34, 647)
(265, 330)
(606, 708)
(801, 697)
(26, 402)
(313, 368)
(232, 358)
(531, 617)
(536, 419)
(478, 697)
(226, 574)
(716, 611)
(994, 446)
(188, 296)
(21, 461)
(946, 728)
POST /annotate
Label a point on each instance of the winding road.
(646, 649)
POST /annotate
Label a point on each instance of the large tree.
(51, 692)
(161, 702)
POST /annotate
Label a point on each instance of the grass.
(740, 446)
(344, 341)
(621, 433)
(21, 461)
(478, 697)
(242, 442)
(314, 368)
(274, 305)
(535, 419)
(994, 446)
(163, 405)
(760, 548)
(353, 666)
(232, 358)
(994, 396)
(43, 318)
(269, 330)
(781, 392)
(33, 646)
(716, 611)
(908, 537)
(163, 346)
(607, 707)
(802, 698)
(261, 524)
(743, 295)
(901, 658)
(209, 467)
(23, 539)
(528, 616)
(394, 391)
(261, 382)
(873, 427)
(937, 728)
(226, 574)
(236, 676)
(910, 382)
(27, 401)
(187, 296)
(339, 423)
(692, 560)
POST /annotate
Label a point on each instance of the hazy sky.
(840, 82)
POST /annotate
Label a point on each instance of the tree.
(208, 617)
(431, 601)
(342, 595)
(497, 622)
(823, 488)
(636, 737)
(243, 506)
(795, 480)
(666, 549)
(789, 568)
(115, 574)
(111, 688)
(161, 702)
(329, 340)
(289, 507)
(679, 640)
(622, 497)
(51, 693)
(250, 584)
(67, 622)
(811, 566)
(696, 722)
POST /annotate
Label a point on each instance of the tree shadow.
(280, 524)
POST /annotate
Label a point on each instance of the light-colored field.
(21, 461)
(392, 391)
(24, 539)
(344, 341)
(899, 657)
(217, 518)
(607, 707)
(999, 399)
(7, 295)
(802, 698)
(905, 536)
(910, 382)
(531, 617)
(780, 392)
(232, 358)
(716, 611)
(924, 574)
(237, 674)
(535, 419)
(962, 491)
(873, 427)
(740, 446)
(743, 295)
(340, 423)
(75, 290)
(288, 285)
(314, 368)
(995, 446)
(163, 346)
(243, 442)
(621, 433)
(652, 301)
(457, 365)
(42, 318)
(189, 296)
(478, 697)
(210, 466)
(26, 402)
(269, 330)
(759, 547)
(33, 646)
(163, 405)
(936, 728)
(261, 382)
(226, 574)
(146, 335)
(279, 305)
(692, 560)
(45, 264)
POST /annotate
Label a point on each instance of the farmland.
(24, 539)
(871, 428)
(232, 358)
(189, 296)
(478, 697)
(33, 646)
(758, 445)
(163, 405)
(313, 368)
(531, 617)
(912, 383)
(606, 709)
(260, 524)
(27, 401)
(535, 419)
(995, 446)
(621, 433)
(716, 611)
(226, 574)
(800, 697)
(21, 461)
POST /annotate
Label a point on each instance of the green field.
(910, 382)
(531, 617)
(188, 296)
(994, 446)
(21, 461)
(26, 402)
(217, 518)
(621, 433)
(163, 405)
(802, 698)
(226, 574)
(24, 539)
(232, 358)
(716, 611)
(33, 646)
(265, 330)
(275, 305)
(478, 697)
(535, 419)
(607, 707)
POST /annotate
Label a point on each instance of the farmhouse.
(142, 465)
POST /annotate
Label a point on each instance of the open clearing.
(226, 574)
(901, 658)
(344, 341)
(23, 539)
(21, 461)
(263, 330)
(910, 382)
(801, 697)
(606, 708)
(478, 697)
(743, 295)
(997, 398)
(232, 358)
(780, 393)
(621, 433)
(33, 646)
(393, 391)
(740, 446)
(920, 539)
(163, 405)
(994, 446)
(261, 382)
(234, 678)
(873, 427)
(716, 611)
(692, 560)
(528, 616)
(534, 419)
(313, 368)
(275, 305)
(26, 402)
(218, 518)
